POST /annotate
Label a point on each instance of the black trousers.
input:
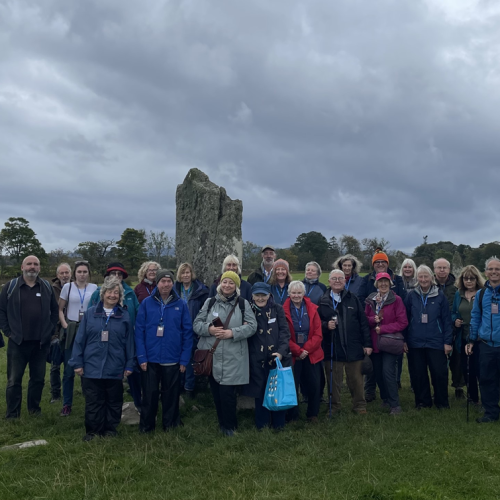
(103, 405)
(489, 380)
(225, 403)
(421, 359)
(168, 379)
(29, 353)
(309, 375)
(457, 375)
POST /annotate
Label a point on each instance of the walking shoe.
(227, 432)
(459, 393)
(88, 437)
(55, 399)
(66, 411)
(370, 397)
(396, 410)
(485, 420)
(384, 405)
(110, 434)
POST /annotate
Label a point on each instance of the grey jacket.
(230, 362)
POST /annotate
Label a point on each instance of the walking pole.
(467, 385)
(334, 318)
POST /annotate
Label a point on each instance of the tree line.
(18, 239)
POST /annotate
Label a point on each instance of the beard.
(30, 274)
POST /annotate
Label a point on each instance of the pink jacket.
(393, 316)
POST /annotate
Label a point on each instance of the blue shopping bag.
(280, 390)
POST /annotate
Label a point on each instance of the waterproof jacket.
(10, 312)
(392, 316)
(314, 291)
(143, 290)
(353, 284)
(177, 340)
(484, 325)
(438, 330)
(352, 333)
(104, 360)
(315, 337)
(130, 301)
(196, 299)
(245, 289)
(279, 294)
(230, 361)
(449, 289)
(272, 335)
(460, 303)
(257, 276)
(368, 285)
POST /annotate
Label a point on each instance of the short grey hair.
(63, 264)
(231, 259)
(336, 271)
(441, 258)
(423, 269)
(412, 264)
(111, 282)
(316, 265)
(296, 285)
(491, 259)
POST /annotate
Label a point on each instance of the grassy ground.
(419, 455)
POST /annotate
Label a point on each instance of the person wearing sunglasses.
(468, 284)
(73, 302)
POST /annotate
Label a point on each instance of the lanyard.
(348, 283)
(281, 295)
(185, 293)
(162, 306)
(311, 288)
(112, 313)
(424, 303)
(299, 318)
(267, 276)
(82, 299)
(335, 302)
(148, 290)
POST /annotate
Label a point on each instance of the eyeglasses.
(337, 279)
(493, 269)
(470, 278)
(80, 262)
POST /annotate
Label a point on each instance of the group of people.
(360, 326)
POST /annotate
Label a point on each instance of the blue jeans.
(385, 367)
(489, 379)
(68, 382)
(189, 377)
(18, 357)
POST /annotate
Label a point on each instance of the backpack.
(13, 284)
(241, 303)
(481, 295)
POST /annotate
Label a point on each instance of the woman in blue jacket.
(103, 353)
(194, 293)
(428, 340)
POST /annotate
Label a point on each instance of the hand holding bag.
(280, 390)
(203, 359)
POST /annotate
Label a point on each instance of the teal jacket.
(129, 300)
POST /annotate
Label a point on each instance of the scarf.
(227, 299)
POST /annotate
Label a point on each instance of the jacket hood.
(433, 291)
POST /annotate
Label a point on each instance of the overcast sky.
(376, 119)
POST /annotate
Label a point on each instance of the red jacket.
(143, 290)
(315, 337)
(393, 317)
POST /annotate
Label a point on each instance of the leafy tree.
(349, 244)
(19, 240)
(370, 246)
(159, 245)
(131, 248)
(97, 253)
(288, 255)
(456, 264)
(310, 246)
(251, 255)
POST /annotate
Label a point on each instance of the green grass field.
(429, 454)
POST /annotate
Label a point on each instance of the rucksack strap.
(241, 303)
(481, 295)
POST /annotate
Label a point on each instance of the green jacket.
(230, 361)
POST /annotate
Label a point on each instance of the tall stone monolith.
(208, 225)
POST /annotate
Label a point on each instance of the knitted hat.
(281, 263)
(116, 266)
(161, 273)
(379, 255)
(232, 276)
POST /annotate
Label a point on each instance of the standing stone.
(208, 225)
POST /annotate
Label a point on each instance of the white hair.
(231, 259)
(412, 264)
(296, 285)
(491, 259)
(316, 265)
(441, 258)
(423, 269)
(336, 271)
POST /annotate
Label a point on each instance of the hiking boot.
(370, 397)
(396, 410)
(110, 434)
(459, 393)
(66, 411)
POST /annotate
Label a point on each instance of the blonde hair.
(182, 268)
(233, 260)
(143, 269)
(470, 271)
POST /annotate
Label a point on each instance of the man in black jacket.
(28, 317)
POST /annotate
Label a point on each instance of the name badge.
(80, 316)
(38, 294)
(300, 338)
(272, 320)
(494, 308)
(424, 318)
(216, 314)
(104, 336)
(159, 331)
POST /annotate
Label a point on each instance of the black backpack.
(241, 303)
